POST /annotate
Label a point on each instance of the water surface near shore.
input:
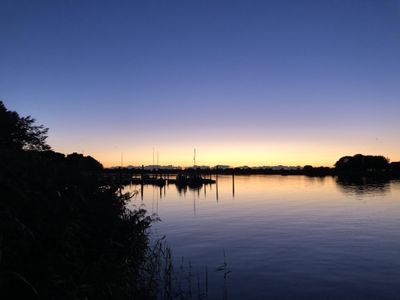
(284, 237)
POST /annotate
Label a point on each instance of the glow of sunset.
(235, 154)
(245, 83)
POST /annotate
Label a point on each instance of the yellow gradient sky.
(245, 83)
(228, 151)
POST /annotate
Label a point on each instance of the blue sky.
(245, 82)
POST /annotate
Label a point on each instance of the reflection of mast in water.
(194, 204)
(152, 202)
(216, 185)
(233, 185)
(157, 203)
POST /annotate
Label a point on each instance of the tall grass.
(181, 282)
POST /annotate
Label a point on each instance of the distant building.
(221, 167)
(279, 167)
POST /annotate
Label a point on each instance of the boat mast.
(153, 158)
(194, 158)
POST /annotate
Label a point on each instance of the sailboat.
(191, 178)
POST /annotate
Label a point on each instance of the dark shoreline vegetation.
(65, 232)
(357, 165)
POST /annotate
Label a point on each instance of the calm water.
(285, 237)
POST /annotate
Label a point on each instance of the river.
(283, 237)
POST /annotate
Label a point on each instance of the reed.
(181, 283)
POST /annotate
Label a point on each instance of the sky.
(244, 82)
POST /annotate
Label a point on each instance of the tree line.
(65, 232)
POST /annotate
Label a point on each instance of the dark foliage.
(363, 184)
(317, 171)
(21, 132)
(395, 167)
(65, 232)
(362, 163)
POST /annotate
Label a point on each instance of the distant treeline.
(348, 165)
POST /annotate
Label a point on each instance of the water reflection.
(286, 237)
(182, 190)
(361, 185)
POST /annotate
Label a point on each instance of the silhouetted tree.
(362, 163)
(308, 168)
(65, 232)
(395, 166)
(21, 133)
(81, 162)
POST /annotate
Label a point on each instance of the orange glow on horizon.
(235, 158)
(323, 150)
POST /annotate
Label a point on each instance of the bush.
(65, 232)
